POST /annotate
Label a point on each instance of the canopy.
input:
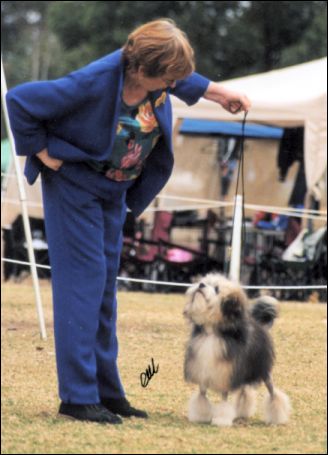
(214, 128)
(291, 97)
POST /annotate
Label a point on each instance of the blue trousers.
(84, 216)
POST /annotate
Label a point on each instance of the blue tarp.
(231, 129)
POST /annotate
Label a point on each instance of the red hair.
(161, 48)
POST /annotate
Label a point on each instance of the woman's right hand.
(52, 163)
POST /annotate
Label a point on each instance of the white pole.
(22, 197)
(234, 272)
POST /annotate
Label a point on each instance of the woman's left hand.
(231, 101)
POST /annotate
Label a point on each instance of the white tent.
(290, 97)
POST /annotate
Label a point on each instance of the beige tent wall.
(197, 175)
(196, 172)
(262, 185)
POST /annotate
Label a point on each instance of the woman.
(102, 139)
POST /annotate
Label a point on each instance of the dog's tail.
(265, 310)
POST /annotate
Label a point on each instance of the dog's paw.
(199, 409)
(224, 414)
(277, 409)
(245, 403)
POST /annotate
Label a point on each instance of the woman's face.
(154, 83)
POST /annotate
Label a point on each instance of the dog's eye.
(216, 289)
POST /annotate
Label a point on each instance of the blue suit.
(76, 118)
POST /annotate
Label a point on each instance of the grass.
(151, 325)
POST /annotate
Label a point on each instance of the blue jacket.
(76, 118)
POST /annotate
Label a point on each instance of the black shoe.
(89, 412)
(122, 407)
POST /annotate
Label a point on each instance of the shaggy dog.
(230, 349)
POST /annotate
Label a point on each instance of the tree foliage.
(46, 39)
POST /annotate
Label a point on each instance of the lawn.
(151, 326)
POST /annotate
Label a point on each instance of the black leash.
(240, 177)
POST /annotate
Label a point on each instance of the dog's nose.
(201, 286)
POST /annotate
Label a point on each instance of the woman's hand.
(231, 101)
(52, 163)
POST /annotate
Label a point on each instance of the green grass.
(151, 325)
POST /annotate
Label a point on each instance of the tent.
(295, 96)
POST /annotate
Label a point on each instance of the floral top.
(136, 136)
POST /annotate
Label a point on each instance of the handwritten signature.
(146, 376)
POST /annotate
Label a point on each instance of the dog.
(230, 349)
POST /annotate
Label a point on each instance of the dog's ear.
(232, 306)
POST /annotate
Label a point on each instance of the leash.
(241, 178)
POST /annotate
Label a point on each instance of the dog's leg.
(200, 408)
(276, 407)
(269, 386)
(245, 402)
(224, 413)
